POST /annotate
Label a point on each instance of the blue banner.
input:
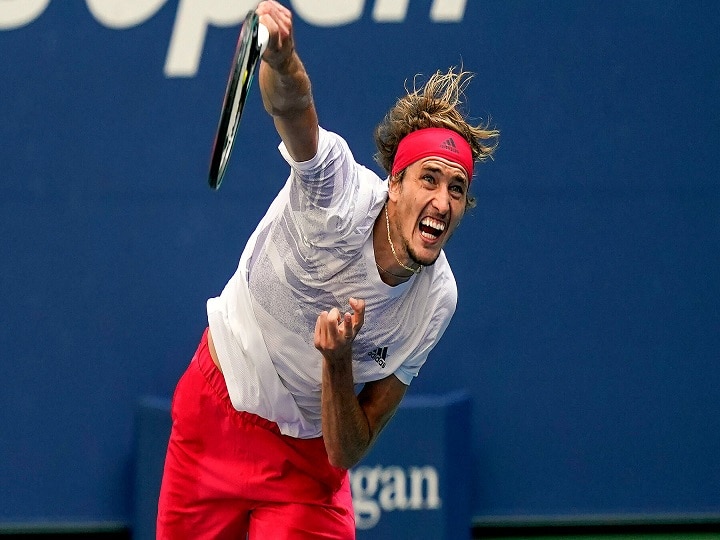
(587, 326)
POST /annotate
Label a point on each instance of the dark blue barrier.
(152, 431)
(413, 484)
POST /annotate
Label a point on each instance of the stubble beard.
(414, 257)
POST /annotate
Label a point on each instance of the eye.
(428, 178)
(458, 189)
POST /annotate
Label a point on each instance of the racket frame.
(251, 43)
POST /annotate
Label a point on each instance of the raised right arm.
(285, 85)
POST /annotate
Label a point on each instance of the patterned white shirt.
(311, 252)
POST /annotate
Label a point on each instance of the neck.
(390, 269)
(414, 270)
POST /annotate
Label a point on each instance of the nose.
(441, 201)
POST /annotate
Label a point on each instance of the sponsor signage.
(393, 488)
(415, 482)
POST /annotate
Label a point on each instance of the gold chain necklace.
(390, 273)
(392, 248)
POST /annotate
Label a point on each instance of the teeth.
(434, 223)
(431, 228)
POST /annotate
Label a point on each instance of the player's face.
(429, 203)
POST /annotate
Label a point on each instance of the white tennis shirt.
(311, 252)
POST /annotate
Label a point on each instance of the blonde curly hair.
(437, 103)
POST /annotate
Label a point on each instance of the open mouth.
(431, 228)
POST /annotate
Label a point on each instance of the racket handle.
(263, 36)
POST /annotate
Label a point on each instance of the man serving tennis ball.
(341, 293)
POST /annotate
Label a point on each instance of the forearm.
(346, 429)
(287, 97)
(285, 88)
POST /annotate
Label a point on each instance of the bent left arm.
(350, 423)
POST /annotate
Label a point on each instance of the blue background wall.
(587, 331)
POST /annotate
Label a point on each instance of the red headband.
(440, 142)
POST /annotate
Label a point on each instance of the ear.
(394, 188)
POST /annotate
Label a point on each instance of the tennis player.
(341, 293)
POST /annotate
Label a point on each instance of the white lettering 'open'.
(18, 13)
(194, 17)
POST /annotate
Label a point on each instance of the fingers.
(319, 322)
(328, 323)
(319, 337)
(278, 20)
(334, 329)
(358, 307)
(348, 326)
(331, 331)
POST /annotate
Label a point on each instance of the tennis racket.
(251, 44)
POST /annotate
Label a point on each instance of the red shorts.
(229, 474)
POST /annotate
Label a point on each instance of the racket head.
(242, 71)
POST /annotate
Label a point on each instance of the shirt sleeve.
(443, 313)
(331, 195)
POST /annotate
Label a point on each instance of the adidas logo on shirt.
(379, 355)
(449, 144)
